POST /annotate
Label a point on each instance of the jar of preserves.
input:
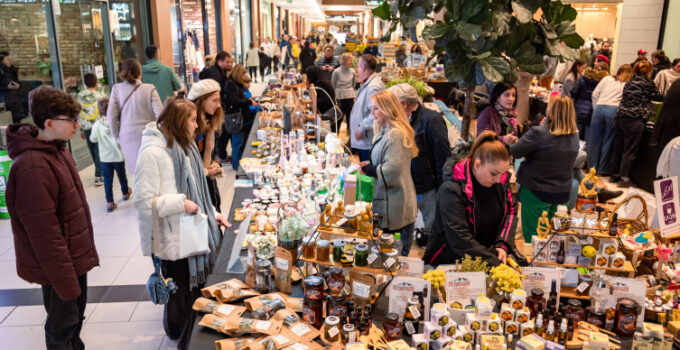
(361, 255)
(332, 332)
(337, 306)
(308, 247)
(348, 333)
(412, 306)
(596, 317)
(338, 250)
(374, 259)
(386, 243)
(263, 275)
(626, 317)
(534, 301)
(335, 281)
(574, 311)
(392, 326)
(312, 304)
(391, 261)
(322, 250)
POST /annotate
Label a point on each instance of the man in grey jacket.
(361, 119)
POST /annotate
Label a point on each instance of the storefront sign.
(667, 205)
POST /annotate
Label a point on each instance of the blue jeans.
(406, 237)
(107, 170)
(601, 139)
(238, 142)
(364, 154)
(427, 204)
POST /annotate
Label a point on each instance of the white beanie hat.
(202, 88)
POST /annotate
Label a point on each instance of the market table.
(248, 147)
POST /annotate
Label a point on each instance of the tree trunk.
(468, 111)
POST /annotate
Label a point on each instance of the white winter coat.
(155, 177)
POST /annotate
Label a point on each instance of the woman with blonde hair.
(606, 98)
(206, 95)
(170, 180)
(549, 152)
(393, 148)
(343, 80)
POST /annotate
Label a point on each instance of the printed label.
(281, 264)
(361, 290)
(262, 325)
(333, 332)
(409, 328)
(414, 311)
(226, 310)
(582, 287)
(298, 346)
(389, 262)
(371, 258)
(280, 339)
(300, 329)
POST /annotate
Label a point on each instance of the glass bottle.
(263, 276)
(538, 329)
(391, 326)
(560, 254)
(614, 226)
(550, 331)
(599, 292)
(562, 335)
(552, 297)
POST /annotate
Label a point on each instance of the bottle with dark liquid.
(552, 297)
(560, 254)
(614, 226)
(376, 226)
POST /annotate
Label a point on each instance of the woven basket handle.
(643, 216)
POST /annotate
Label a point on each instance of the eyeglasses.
(75, 121)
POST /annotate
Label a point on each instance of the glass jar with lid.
(391, 261)
(386, 243)
(374, 259)
(332, 331)
(361, 255)
(263, 275)
(309, 247)
(391, 326)
(337, 306)
(574, 311)
(335, 281)
(536, 302)
(312, 304)
(348, 333)
(626, 317)
(322, 250)
(338, 250)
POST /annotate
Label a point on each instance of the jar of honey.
(332, 332)
(309, 248)
(312, 304)
(626, 317)
(392, 326)
(322, 250)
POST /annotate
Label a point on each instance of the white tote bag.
(193, 235)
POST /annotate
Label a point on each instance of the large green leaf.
(574, 40)
(501, 22)
(490, 72)
(468, 31)
(548, 31)
(523, 14)
(472, 8)
(436, 30)
(529, 60)
(458, 72)
(499, 64)
(383, 11)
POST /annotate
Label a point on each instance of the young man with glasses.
(50, 217)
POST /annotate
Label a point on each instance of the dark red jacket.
(53, 235)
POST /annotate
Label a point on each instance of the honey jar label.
(410, 329)
(371, 258)
(308, 314)
(333, 331)
(415, 311)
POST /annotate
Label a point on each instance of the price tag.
(352, 337)
(226, 310)
(390, 262)
(281, 264)
(372, 257)
(333, 332)
(415, 311)
(582, 287)
(557, 224)
(409, 328)
(346, 289)
(300, 329)
(262, 325)
(280, 339)
(361, 290)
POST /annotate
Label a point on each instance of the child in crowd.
(110, 155)
(51, 224)
(88, 116)
(253, 109)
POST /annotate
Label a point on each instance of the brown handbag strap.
(130, 95)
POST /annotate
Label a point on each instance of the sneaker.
(127, 195)
(98, 181)
(604, 195)
(110, 206)
(614, 179)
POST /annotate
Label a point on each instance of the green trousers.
(532, 210)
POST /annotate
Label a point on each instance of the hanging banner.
(667, 205)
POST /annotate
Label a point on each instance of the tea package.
(283, 262)
(276, 342)
(362, 286)
(205, 305)
(250, 267)
(304, 345)
(294, 304)
(233, 344)
(249, 325)
(257, 302)
(298, 327)
(227, 310)
(229, 295)
(214, 322)
(233, 283)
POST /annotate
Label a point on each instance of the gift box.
(494, 324)
(608, 247)
(511, 327)
(507, 312)
(420, 342)
(472, 323)
(432, 330)
(526, 329)
(450, 329)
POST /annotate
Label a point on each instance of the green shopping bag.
(364, 187)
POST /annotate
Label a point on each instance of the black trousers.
(221, 143)
(252, 70)
(64, 318)
(178, 316)
(214, 193)
(626, 143)
(346, 105)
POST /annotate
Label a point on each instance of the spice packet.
(250, 267)
(276, 342)
(213, 322)
(283, 262)
(205, 305)
(250, 325)
(362, 286)
(257, 302)
(233, 344)
(304, 345)
(294, 304)
(227, 310)
(233, 283)
(229, 295)
(298, 327)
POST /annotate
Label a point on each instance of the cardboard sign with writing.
(667, 205)
(402, 288)
(541, 278)
(628, 288)
(463, 287)
(412, 267)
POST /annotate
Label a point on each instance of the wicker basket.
(640, 223)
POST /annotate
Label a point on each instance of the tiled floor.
(127, 320)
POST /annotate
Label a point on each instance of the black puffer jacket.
(432, 139)
(636, 101)
(235, 100)
(582, 94)
(454, 232)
